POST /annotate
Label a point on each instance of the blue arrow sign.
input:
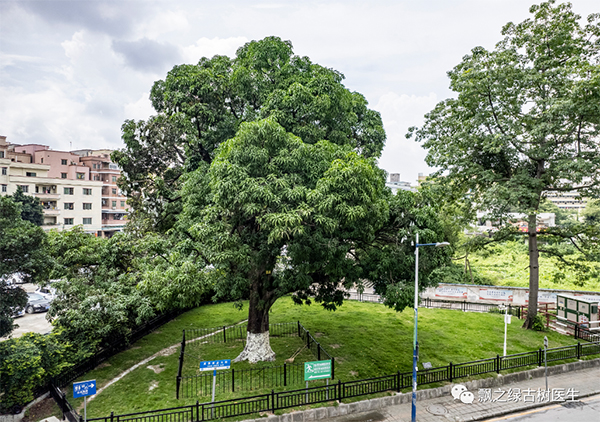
(209, 365)
(84, 388)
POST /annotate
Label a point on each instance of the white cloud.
(140, 109)
(208, 47)
(399, 112)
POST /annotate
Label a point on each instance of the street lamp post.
(415, 342)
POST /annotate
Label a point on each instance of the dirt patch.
(135, 347)
(42, 410)
(334, 346)
(354, 373)
(103, 365)
(153, 385)
(318, 335)
(156, 332)
(167, 352)
(156, 368)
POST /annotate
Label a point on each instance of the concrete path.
(563, 389)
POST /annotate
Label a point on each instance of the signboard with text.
(317, 370)
(454, 292)
(210, 365)
(84, 388)
(495, 294)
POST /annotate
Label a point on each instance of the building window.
(94, 166)
(25, 188)
(114, 179)
(87, 206)
(96, 177)
(68, 221)
(1, 154)
(30, 174)
(87, 221)
(122, 204)
(3, 188)
(68, 191)
(69, 206)
(63, 175)
(87, 191)
(4, 171)
(114, 204)
(64, 163)
(114, 191)
(42, 160)
(81, 176)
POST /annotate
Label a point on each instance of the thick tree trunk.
(258, 347)
(534, 271)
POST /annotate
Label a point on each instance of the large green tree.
(260, 171)
(525, 121)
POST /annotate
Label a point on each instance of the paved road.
(566, 389)
(31, 322)
(584, 410)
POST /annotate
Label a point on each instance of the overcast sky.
(72, 71)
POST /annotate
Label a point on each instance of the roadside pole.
(546, 360)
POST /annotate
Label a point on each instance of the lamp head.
(442, 244)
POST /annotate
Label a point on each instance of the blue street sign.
(209, 365)
(84, 388)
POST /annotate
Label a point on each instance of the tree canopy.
(22, 250)
(257, 178)
(31, 207)
(525, 121)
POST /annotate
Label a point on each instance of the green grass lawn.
(507, 264)
(367, 340)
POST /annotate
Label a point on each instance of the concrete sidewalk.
(490, 402)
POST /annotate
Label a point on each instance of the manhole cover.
(572, 404)
(437, 409)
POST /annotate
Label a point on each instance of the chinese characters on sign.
(211, 365)
(84, 388)
(528, 395)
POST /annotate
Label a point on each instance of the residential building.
(396, 184)
(74, 188)
(567, 200)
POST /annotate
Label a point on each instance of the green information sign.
(317, 370)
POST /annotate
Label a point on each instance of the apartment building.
(74, 188)
(567, 200)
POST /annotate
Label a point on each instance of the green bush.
(27, 363)
(539, 323)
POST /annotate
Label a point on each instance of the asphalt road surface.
(583, 410)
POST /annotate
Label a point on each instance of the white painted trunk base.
(258, 349)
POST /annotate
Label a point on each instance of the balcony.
(51, 211)
(46, 195)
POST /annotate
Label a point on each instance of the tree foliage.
(525, 121)
(200, 106)
(31, 207)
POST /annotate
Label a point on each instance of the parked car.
(37, 303)
(47, 292)
(18, 312)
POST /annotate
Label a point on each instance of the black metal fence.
(342, 390)
(192, 386)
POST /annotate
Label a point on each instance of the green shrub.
(27, 363)
(539, 323)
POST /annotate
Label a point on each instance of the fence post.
(233, 380)
(178, 384)
(578, 350)
(318, 351)
(299, 329)
(224, 335)
(340, 397)
(112, 415)
(497, 364)
(450, 372)
(576, 331)
(332, 368)
(308, 340)
(398, 382)
(540, 356)
(197, 410)
(273, 401)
